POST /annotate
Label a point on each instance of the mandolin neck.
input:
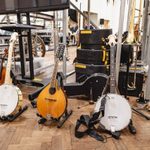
(53, 78)
(9, 62)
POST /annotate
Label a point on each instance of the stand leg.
(13, 117)
(42, 121)
(64, 118)
(142, 114)
(132, 129)
(33, 103)
(116, 134)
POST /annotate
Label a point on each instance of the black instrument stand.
(141, 99)
(14, 116)
(60, 121)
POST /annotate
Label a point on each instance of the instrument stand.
(126, 88)
(141, 99)
(131, 127)
(14, 116)
(59, 121)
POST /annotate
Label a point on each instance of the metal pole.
(21, 50)
(31, 64)
(129, 13)
(147, 95)
(145, 25)
(64, 41)
(80, 18)
(89, 3)
(119, 43)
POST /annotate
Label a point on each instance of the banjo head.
(8, 99)
(117, 113)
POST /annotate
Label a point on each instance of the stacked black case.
(91, 57)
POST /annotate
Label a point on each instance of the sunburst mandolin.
(52, 102)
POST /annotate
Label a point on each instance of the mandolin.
(52, 102)
(10, 95)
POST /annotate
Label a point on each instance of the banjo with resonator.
(10, 95)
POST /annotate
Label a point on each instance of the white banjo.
(10, 95)
(117, 112)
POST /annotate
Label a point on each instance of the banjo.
(10, 95)
(117, 111)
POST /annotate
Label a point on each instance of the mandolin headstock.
(60, 52)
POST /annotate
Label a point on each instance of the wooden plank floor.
(26, 134)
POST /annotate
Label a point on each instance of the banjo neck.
(9, 61)
(112, 70)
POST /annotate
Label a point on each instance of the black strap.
(85, 120)
(90, 122)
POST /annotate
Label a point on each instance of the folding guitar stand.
(14, 116)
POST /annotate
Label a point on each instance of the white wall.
(108, 11)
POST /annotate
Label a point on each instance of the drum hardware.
(52, 102)
(10, 95)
